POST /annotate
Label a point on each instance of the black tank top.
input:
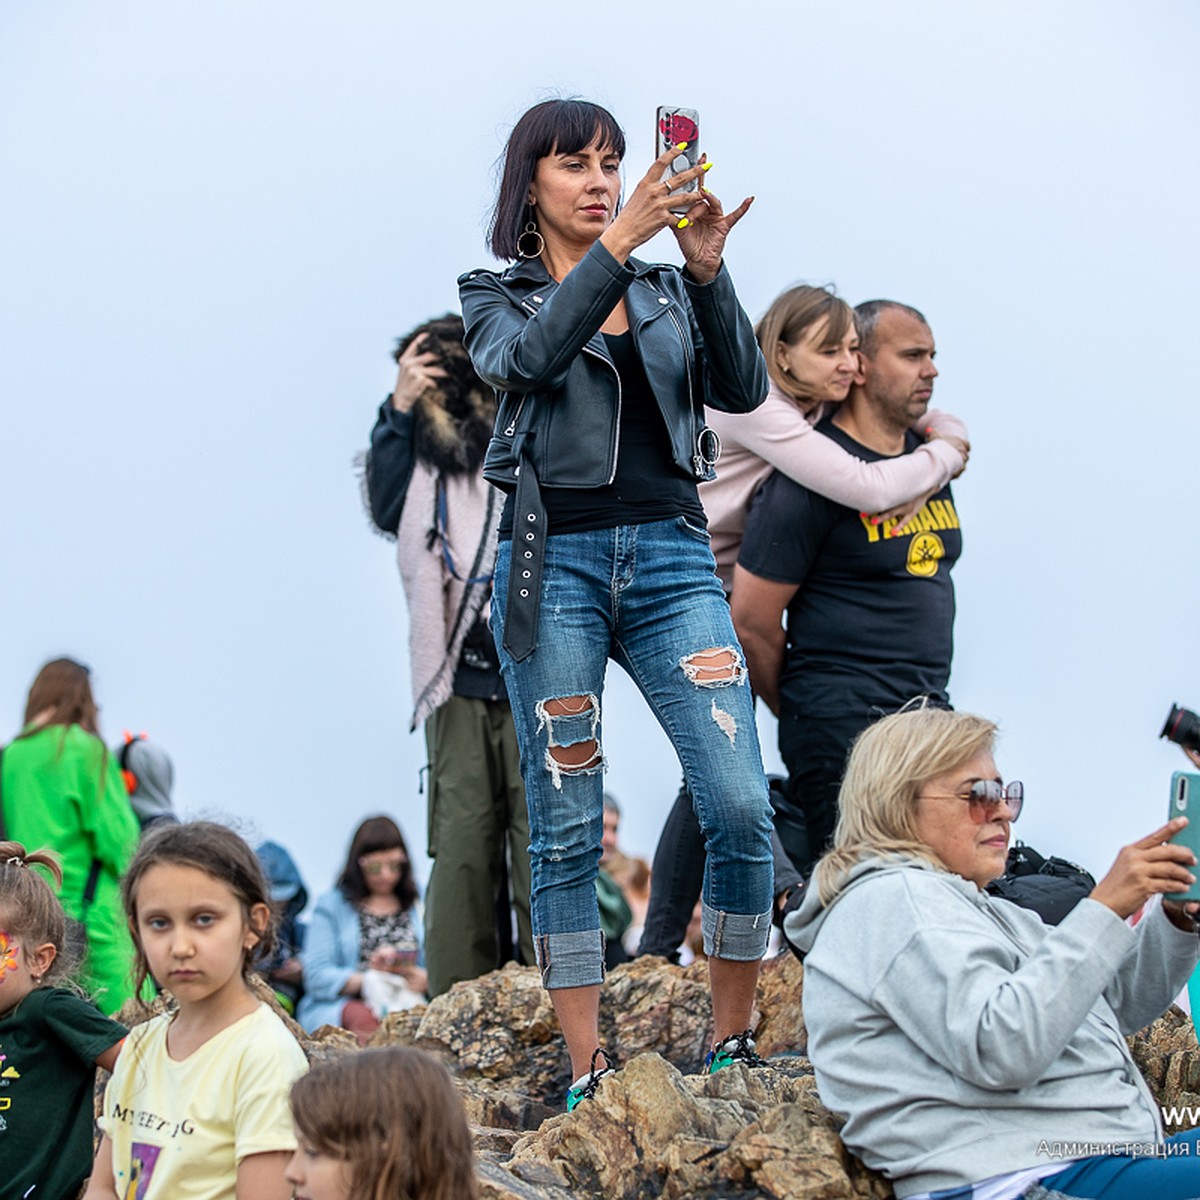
(648, 485)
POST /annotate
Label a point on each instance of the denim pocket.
(697, 531)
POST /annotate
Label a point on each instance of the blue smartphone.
(1185, 802)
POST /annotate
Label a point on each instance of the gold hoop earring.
(530, 231)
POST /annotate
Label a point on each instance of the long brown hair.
(393, 1116)
(63, 686)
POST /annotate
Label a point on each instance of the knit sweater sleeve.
(779, 434)
(944, 424)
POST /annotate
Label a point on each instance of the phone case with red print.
(675, 125)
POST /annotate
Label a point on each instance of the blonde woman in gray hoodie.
(977, 1053)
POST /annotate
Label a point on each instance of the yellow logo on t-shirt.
(937, 514)
(925, 551)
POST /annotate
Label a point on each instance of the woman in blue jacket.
(603, 365)
(369, 921)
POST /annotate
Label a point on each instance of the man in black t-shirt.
(869, 604)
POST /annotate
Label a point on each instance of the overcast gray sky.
(217, 216)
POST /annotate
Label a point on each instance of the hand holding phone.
(673, 126)
(1185, 802)
(1151, 866)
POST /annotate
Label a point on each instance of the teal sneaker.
(584, 1088)
(736, 1048)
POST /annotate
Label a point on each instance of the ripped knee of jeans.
(572, 725)
(720, 666)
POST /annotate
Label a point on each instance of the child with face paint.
(51, 1039)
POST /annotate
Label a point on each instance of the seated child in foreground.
(382, 1124)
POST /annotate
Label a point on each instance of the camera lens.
(1182, 727)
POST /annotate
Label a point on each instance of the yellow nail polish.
(708, 166)
(681, 146)
(683, 223)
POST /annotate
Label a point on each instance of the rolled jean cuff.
(570, 959)
(735, 936)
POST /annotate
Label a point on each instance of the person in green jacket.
(62, 789)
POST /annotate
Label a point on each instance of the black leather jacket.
(537, 342)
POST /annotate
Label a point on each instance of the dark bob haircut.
(552, 127)
(377, 833)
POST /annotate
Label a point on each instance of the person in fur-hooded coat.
(425, 488)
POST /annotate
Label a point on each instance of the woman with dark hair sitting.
(368, 922)
(603, 365)
(975, 1051)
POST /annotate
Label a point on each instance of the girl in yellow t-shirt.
(197, 1106)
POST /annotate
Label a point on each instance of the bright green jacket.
(62, 789)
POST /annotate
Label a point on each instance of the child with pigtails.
(51, 1038)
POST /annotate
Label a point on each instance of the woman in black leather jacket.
(603, 365)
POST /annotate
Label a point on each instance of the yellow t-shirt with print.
(179, 1129)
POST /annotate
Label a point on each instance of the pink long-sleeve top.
(778, 436)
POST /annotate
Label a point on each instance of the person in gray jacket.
(975, 1051)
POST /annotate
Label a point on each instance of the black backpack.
(1050, 886)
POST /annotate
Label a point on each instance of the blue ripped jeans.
(646, 596)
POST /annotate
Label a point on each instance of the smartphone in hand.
(675, 125)
(1185, 802)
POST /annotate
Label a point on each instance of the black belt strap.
(528, 556)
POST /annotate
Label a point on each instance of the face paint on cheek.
(8, 954)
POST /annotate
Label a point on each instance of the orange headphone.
(131, 780)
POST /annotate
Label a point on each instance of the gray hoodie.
(151, 768)
(963, 1038)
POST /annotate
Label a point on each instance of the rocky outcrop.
(658, 1128)
(502, 1027)
(651, 1131)
(1167, 1054)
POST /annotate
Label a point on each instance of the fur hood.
(453, 421)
